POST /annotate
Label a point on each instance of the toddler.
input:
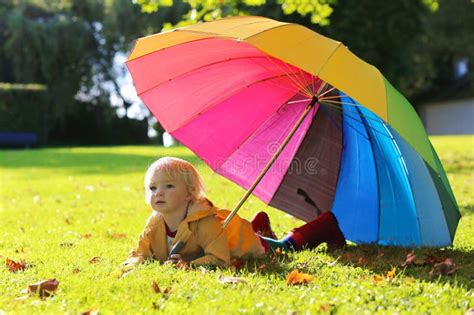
(182, 213)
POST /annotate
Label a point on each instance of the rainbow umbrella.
(302, 123)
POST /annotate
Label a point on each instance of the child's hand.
(174, 259)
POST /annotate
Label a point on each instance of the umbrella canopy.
(232, 90)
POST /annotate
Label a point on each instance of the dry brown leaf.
(233, 280)
(296, 277)
(376, 279)
(76, 270)
(261, 268)
(362, 261)
(43, 288)
(95, 260)
(155, 287)
(168, 290)
(86, 235)
(237, 263)
(118, 235)
(445, 268)
(183, 265)
(91, 312)
(409, 259)
(324, 307)
(391, 274)
(14, 266)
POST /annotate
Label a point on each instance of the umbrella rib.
(204, 110)
(354, 117)
(199, 68)
(328, 91)
(292, 82)
(306, 81)
(296, 82)
(249, 136)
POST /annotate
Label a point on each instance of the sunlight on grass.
(61, 207)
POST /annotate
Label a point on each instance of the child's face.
(167, 194)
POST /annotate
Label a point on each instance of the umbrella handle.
(177, 248)
(270, 163)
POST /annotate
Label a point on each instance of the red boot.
(323, 229)
(261, 225)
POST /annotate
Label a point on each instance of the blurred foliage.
(414, 43)
(71, 47)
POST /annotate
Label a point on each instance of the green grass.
(51, 198)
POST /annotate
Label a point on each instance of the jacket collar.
(197, 210)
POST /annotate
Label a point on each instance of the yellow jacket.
(201, 230)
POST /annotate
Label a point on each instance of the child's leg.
(261, 225)
(285, 244)
(324, 229)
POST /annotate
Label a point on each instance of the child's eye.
(152, 188)
(169, 186)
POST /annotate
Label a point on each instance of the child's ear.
(190, 193)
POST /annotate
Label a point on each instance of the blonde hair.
(177, 169)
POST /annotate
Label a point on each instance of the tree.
(70, 47)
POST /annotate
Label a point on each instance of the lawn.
(74, 213)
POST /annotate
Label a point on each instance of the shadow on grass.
(88, 163)
(380, 260)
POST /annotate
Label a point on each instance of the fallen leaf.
(155, 287)
(95, 260)
(118, 235)
(183, 265)
(362, 261)
(409, 259)
(14, 266)
(237, 263)
(391, 274)
(168, 290)
(445, 268)
(234, 280)
(76, 270)
(296, 277)
(91, 312)
(376, 279)
(87, 235)
(324, 307)
(43, 288)
(261, 268)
